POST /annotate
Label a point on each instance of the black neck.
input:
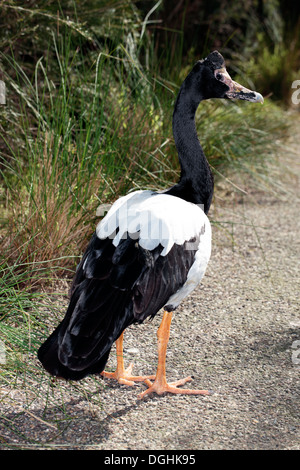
(196, 180)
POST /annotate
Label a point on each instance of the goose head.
(213, 81)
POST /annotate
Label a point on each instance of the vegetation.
(90, 92)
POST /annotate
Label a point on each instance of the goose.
(147, 254)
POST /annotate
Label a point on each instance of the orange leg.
(122, 375)
(160, 385)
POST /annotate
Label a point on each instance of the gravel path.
(238, 335)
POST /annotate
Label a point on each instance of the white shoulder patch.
(153, 219)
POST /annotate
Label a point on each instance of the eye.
(219, 76)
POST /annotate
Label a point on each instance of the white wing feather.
(157, 218)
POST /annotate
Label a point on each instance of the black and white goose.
(149, 252)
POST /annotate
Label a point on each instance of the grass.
(89, 120)
(273, 62)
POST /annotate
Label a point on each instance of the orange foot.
(161, 386)
(122, 375)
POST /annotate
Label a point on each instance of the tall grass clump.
(80, 136)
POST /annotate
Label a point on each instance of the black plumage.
(113, 288)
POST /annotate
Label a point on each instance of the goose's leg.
(160, 385)
(122, 375)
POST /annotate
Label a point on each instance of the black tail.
(81, 343)
(48, 355)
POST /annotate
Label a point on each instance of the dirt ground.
(238, 335)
